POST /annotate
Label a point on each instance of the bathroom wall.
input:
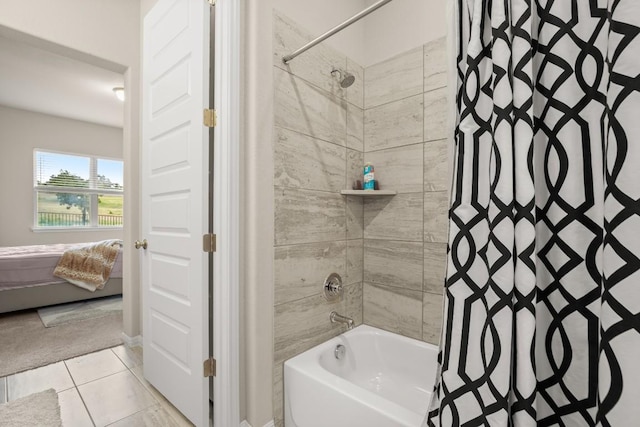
(317, 17)
(401, 25)
(405, 111)
(318, 146)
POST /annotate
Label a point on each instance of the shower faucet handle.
(332, 287)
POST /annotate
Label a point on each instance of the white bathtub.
(383, 380)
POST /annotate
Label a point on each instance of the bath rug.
(78, 311)
(39, 409)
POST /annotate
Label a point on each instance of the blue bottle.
(369, 179)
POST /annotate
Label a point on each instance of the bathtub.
(382, 380)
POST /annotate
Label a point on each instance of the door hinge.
(209, 242)
(212, 2)
(210, 117)
(209, 367)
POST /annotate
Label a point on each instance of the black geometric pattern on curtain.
(542, 295)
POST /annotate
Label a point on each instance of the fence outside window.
(77, 191)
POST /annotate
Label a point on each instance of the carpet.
(39, 409)
(77, 311)
(25, 343)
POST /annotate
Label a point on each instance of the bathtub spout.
(337, 318)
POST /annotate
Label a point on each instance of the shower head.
(345, 78)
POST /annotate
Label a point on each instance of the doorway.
(61, 154)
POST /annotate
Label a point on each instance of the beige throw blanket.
(90, 265)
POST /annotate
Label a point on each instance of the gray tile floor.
(105, 388)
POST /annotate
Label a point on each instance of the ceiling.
(39, 80)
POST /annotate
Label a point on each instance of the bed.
(27, 280)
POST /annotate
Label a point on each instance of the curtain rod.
(334, 30)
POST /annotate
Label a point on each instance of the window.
(77, 191)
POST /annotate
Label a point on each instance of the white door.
(175, 90)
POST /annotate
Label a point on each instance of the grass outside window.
(77, 191)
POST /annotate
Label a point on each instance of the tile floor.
(105, 388)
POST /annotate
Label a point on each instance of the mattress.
(26, 266)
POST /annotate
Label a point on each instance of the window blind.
(61, 170)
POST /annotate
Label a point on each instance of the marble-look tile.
(304, 162)
(355, 261)
(395, 124)
(435, 64)
(435, 263)
(93, 366)
(355, 217)
(315, 65)
(436, 166)
(355, 163)
(393, 309)
(305, 216)
(309, 110)
(300, 270)
(53, 376)
(353, 302)
(398, 168)
(72, 410)
(355, 92)
(302, 324)
(3, 390)
(355, 127)
(394, 79)
(130, 356)
(153, 416)
(396, 217)
(393, 263)
(176, 415)
(432, 317)
(435, 115)
(436, 221)
(115, 397)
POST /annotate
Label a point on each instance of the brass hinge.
(210, 118)
(209, 367)
(209, 242)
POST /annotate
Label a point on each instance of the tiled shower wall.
(393, 116)
(318, 150)
(405, 109)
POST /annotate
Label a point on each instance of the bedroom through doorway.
(62, 224)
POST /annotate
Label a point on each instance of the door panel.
(174, 203)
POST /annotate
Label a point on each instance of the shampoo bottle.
(369, 179)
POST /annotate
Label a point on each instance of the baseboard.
(131, 341)
(245, 423)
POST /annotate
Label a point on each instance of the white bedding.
(26, 266)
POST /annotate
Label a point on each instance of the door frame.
(226, 213)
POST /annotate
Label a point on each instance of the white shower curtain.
(542, 296)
